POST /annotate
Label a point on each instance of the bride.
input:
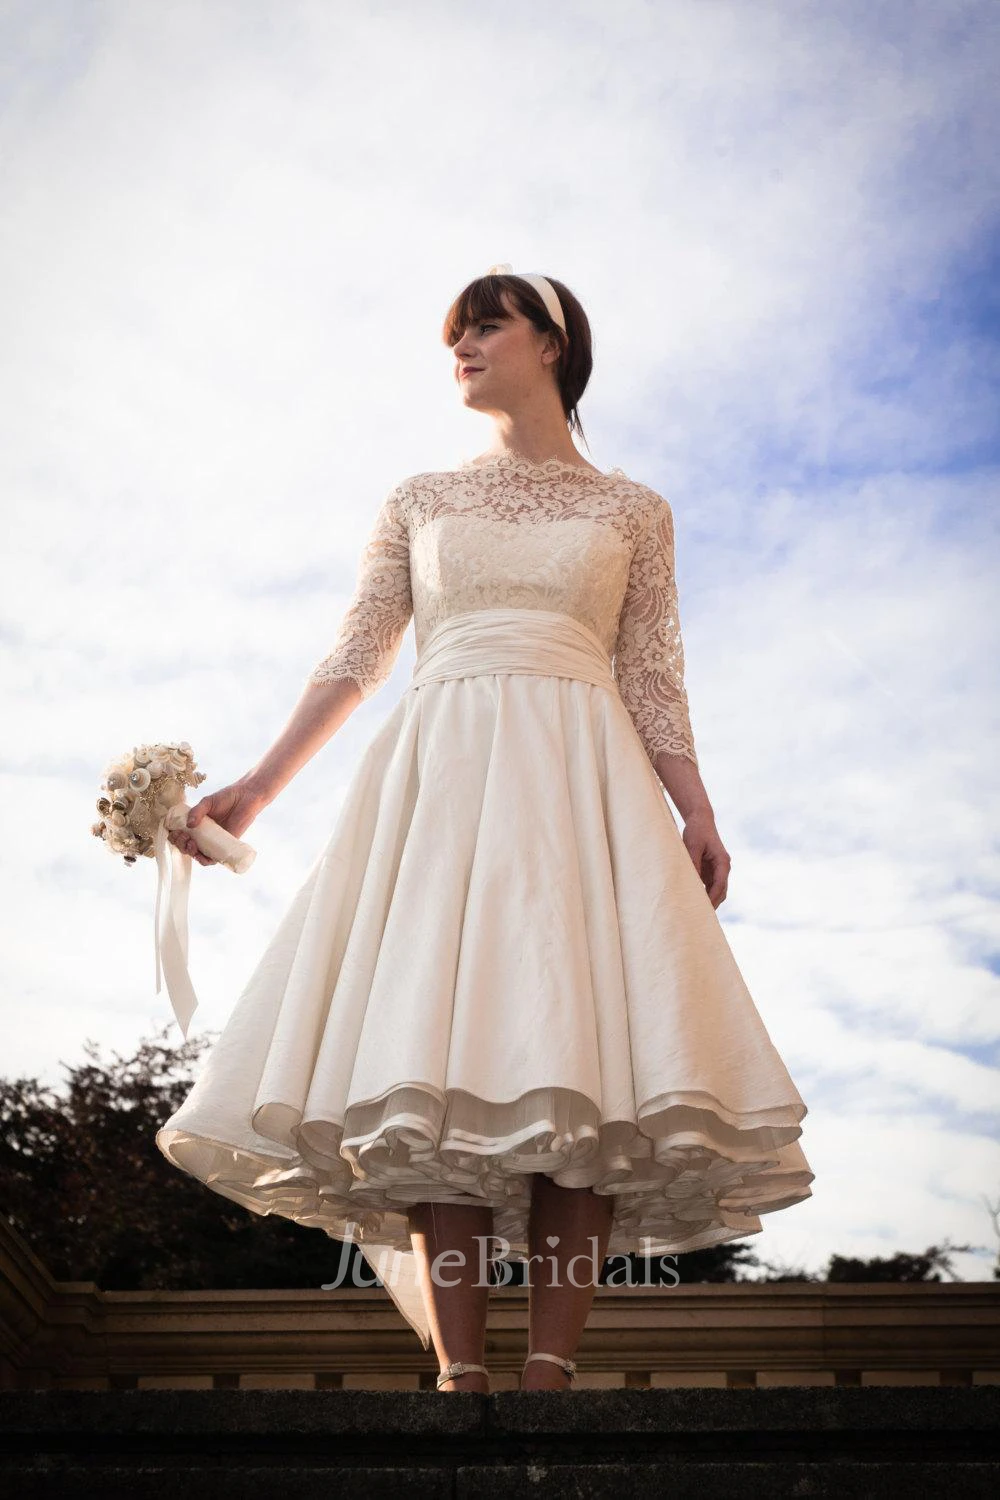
(502, 1004)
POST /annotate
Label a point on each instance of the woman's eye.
(486, 325)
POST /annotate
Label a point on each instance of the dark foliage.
(85, 1185)
(898, 1267)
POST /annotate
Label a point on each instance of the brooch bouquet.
(142, 800)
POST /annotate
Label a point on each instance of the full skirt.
(502, 963)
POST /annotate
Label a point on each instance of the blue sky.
(231, 231)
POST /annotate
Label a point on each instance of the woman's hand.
(233, 808)
(702, 841)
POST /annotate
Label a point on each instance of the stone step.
(609, 1481)
(801, 1440)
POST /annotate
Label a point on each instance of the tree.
(993, 1209)
(86, 1186)
(898, 1267)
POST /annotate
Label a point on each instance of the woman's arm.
(319, 713)
(367, 644)
(649, 667)
(686, 790)
(649, 652)
(683, 782)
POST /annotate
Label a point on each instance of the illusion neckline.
(549, 467)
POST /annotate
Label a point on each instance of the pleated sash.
(540, 642)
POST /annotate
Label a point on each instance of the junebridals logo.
(495, 1269)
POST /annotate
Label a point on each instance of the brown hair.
(482, 299)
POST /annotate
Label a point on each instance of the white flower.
(139, 779)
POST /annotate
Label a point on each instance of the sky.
(230, 232)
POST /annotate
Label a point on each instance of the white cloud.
(230, 235)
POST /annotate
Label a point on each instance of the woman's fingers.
(203, 809)
(717, 886)
(710, 859)
(216, 806)
(188, 846)
(232, 808)
(717, 873)
(227, 807)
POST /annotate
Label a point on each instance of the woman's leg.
(570, 1218)
(457, 1313)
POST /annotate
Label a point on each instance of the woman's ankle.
(552, 1379)
(545, 1375)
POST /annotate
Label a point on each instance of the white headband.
(544, 288)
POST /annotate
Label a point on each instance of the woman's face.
(500, 363)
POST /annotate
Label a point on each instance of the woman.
(502, 1003)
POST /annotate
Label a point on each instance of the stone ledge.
(781, 1421)
(701, 1408)
(706, 1481)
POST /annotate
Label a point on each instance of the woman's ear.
(551, 350)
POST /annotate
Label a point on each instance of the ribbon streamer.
(170, 931)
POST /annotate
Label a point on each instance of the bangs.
(481, 299)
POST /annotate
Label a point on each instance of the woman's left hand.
(711, 860)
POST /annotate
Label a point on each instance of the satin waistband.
(538, 642)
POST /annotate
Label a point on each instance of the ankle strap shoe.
(458, 1368)
(567, 1364)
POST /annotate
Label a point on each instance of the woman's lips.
(473, 370)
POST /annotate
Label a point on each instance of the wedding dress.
(504, 961)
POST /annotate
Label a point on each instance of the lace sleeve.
(371, 632)
(649, 653)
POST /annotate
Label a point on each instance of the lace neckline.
(549, 468)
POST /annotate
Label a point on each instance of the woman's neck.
(535, 435)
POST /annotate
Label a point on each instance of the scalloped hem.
(685, 1177)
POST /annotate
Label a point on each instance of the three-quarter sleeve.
(371, 632)
(649, 653)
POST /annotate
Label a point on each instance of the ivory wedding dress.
(503, 961)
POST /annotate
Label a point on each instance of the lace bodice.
(502, 531)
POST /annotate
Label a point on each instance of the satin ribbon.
(541, 642)
(170, 931)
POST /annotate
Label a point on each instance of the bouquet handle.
(212, 839)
